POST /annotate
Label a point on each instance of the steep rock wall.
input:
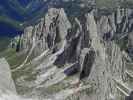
(71, 41)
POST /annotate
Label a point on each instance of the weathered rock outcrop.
(6, 81)
(51, 30)
(87, 43)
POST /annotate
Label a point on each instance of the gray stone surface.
(6, 81)
(70, 42)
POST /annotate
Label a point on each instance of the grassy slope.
(106, 3)
(4, 42)
(13, 58)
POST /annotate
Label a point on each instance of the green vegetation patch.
(4, 43)
(106, 3)
(13, 58)
(122, 43)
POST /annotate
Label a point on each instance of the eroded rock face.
(70, 54)
(130, 40)
(55, 27)
(87, 42)
(51, 30)
(87, 61)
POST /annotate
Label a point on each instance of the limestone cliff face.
(86, 43)
(112, 67)
(55, 25)
(51, 30)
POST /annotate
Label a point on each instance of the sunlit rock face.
(86, 46)
(51, 30)
(6, 83)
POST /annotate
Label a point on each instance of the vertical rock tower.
(63, 42)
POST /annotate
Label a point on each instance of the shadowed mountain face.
(16, 14)
(13, 13)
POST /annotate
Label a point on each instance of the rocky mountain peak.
(62, 49)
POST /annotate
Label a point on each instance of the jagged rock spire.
(70, 42)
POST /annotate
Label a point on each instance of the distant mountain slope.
(21, 11)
